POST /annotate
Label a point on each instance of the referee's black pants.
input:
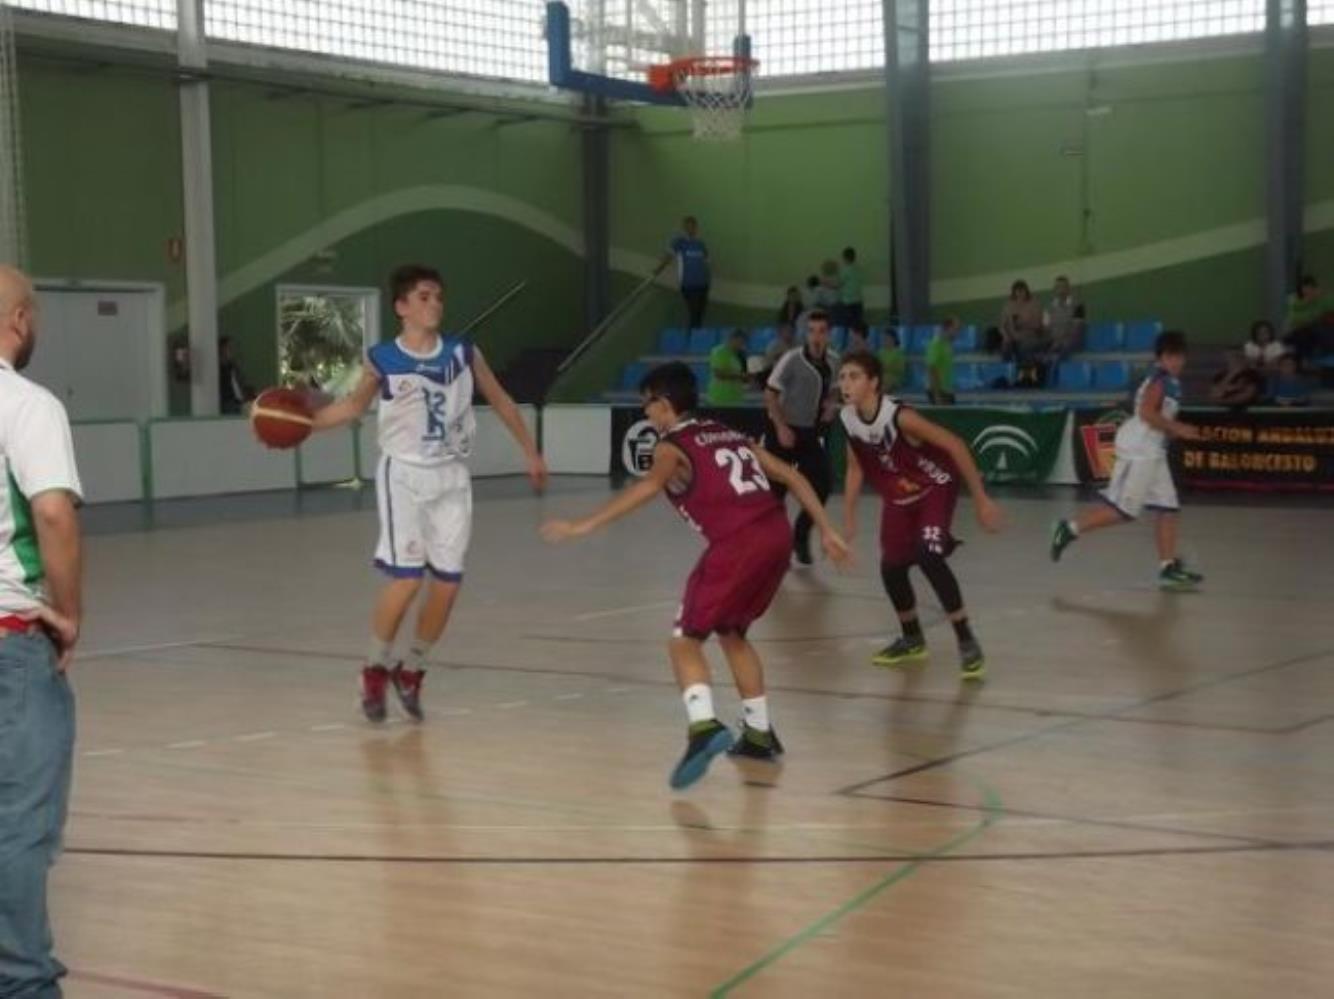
(812, 460)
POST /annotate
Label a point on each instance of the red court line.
(146, 988)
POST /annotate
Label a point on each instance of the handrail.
(617, 311)
(494, 307)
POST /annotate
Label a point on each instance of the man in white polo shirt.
(39, 625)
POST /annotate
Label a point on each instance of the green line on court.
(992, 803)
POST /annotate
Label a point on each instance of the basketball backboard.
(605, 47)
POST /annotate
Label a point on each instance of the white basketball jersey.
(426, 415)
(1137, 439)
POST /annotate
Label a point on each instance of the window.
(322, 335)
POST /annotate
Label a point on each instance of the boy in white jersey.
(1142, 478)
(425, 383)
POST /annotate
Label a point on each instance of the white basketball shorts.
(1141, 483)
(425, 518)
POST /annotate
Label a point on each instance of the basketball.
(281, 418)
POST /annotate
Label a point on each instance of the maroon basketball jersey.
(898, 470)
(728, 489)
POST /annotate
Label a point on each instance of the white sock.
(378, 652)
(755, 711)
(699, 702)
(417, 653)
(1073, 527)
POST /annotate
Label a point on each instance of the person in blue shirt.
(692, 269)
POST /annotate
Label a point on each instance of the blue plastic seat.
(1105, 338)
(966, 340)
(760, 338)
(919, 337)
(702, 340)
(632, 374)
(1141, 333)
(673, 341)
(1074, 376)
(1111, 376)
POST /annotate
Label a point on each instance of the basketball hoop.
(716, 89)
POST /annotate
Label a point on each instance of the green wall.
(1145, 183)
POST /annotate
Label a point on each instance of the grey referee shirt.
(803, 384)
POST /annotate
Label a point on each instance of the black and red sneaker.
(374, 680)
(408, 687)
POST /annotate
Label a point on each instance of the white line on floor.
(617, 611)
(509, 705)
(253, 736)
(332, 727)
(188, 744)
(568, 697)
(103, 752)
(156, 647)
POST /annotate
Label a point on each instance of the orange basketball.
(281, 418)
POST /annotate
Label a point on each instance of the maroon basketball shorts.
(910, 530)
(736, 578)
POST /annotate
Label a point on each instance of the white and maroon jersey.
(728, 489)
(900, 471)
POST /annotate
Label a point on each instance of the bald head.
(18, 331)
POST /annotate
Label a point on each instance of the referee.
(800, 399)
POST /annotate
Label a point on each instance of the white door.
(92, 352)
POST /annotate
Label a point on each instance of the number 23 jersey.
(426, 414)
(728, 489)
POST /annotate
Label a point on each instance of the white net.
(717, 90)
(12, 242)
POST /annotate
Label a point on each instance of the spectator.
(1022, 336)
(1064, 320)
(893, 361)
(1310, 325)
(727, 371)
(809, 293)
(851, 311)
(233, 391)
(859, 340)
(1238, 384)
(1288, 387)
(1263, 349)
(40, 609)
(783, 341)
(692, 269)
(940, 364)
(792, 306)
(826, 291)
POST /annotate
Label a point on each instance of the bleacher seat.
(760, 338)
(966, 377)
(1111, 376)
(1105, 338)
(702, 374)
(1141, 333)
(966, 341)
(914, 378)
(702, 340)
(838, 338)
(674, 341)
(632, 374)
(989, 372)
(1074, 376)
(873, 338)
(918, 338)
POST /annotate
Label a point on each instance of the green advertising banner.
(1009, 445)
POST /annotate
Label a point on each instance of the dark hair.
(689, 219)
(817, 316)
(890, 331)
(407, 277)
(859, 327)
(675, 382)
(1307, 281)
(1262, 324)
(1169, 342)
(849, 254)
(793, 288)
(1020, 284)
(738, 332)
(224, 340)
(813, 281)
(868, 362)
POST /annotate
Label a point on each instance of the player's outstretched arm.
(500, 400)
(917, 426)
(852, 489)
(780, 471)
(666, 460)
(352, 405)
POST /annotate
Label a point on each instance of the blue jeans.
(36, 753)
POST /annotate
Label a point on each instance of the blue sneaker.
(707, 739)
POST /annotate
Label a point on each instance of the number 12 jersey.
(426, 414)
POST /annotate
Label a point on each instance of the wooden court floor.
(1139, 801)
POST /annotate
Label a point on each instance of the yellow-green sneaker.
(900, 652)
